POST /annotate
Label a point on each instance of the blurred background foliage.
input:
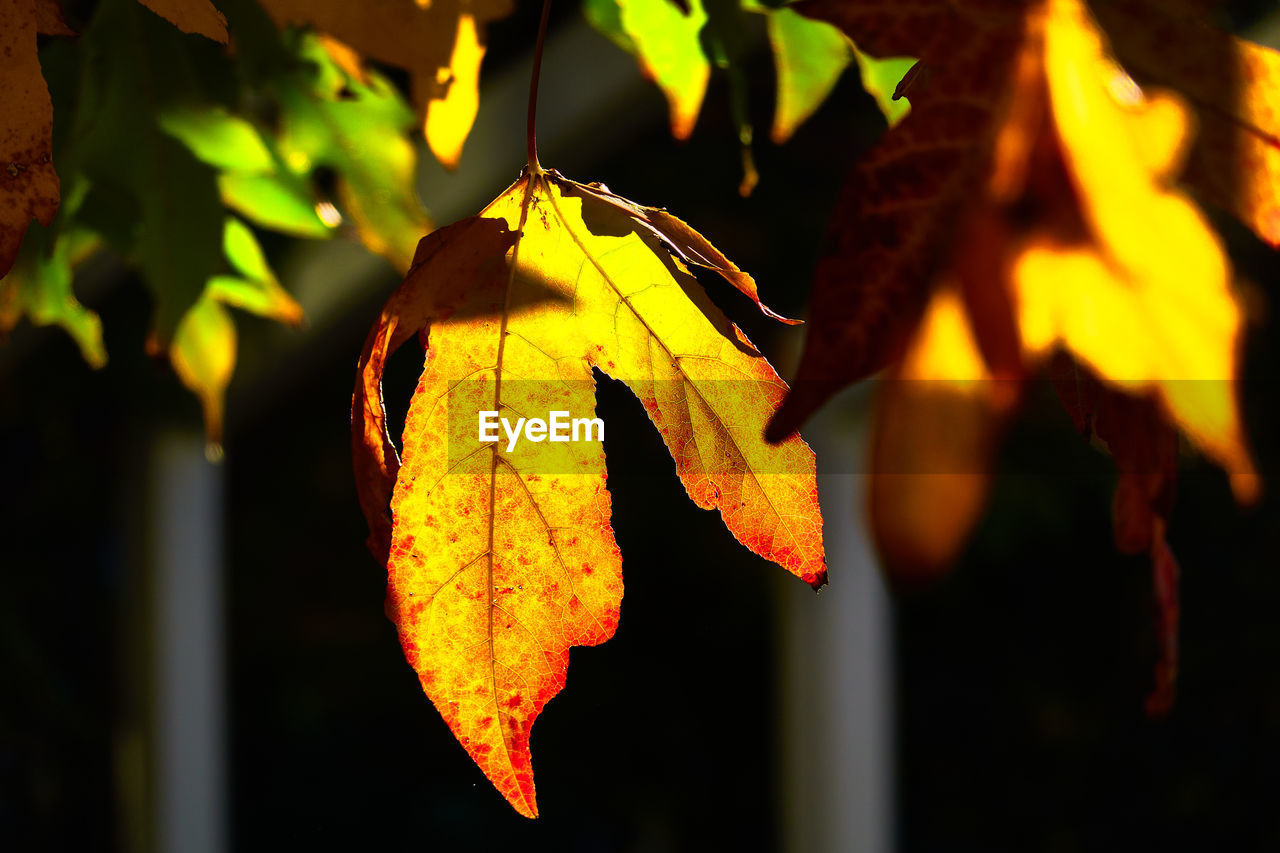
(279, 180)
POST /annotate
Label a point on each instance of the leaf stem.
(531, 134)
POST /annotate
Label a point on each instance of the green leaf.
(666, 43)
(39, 288)
(218, 138)
(810, 56)
(360, 131)
(606, 17)
(178, 237)
(243, 251)
(880, 77)
(257, 290)
(278, 202)
(176, 216)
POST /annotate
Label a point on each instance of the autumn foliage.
(1032, 210)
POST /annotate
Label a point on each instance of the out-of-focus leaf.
(449, 117)
(938, 422)
(725, 42)
(192, 16)
(203, 355)
(275, 201)
(203, 351)
(257, 290)
(809, 56)
(1039, 181)
(253, 180)
(1150, 307)
(359, 130)
(441, 44)
(666, 43)
(1234, 86)
(676, 50)
(28, 183)
(39, 288)
(881, 77)
(217, 137)
(119, 147)
(243, 251)
(606, 17)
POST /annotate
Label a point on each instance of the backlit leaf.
(1038, 180)
(203, 355)
(357, 129)
(810, 57)
(938, 421)
(1234, 87)
(881, 78)
(217, 137)
(39, 288)
(666, 43)
(501, 558)
(252, 179)
(203, 351)
(440, 44)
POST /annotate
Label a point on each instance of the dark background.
(1019, 678)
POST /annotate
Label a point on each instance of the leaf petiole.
(531, 134)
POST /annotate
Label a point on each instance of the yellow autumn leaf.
(500, 555)
(1149, 301)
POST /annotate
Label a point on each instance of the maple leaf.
(1023, 109)
(500, 558)
(441, 44)
(1028, 206)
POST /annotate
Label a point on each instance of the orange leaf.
(28, 183)
(192, 16)
(895, 221)
(1150, 306)
(938, 422)
(1038, 177)
(501, 555)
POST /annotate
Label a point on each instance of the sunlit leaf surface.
(500, 558)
